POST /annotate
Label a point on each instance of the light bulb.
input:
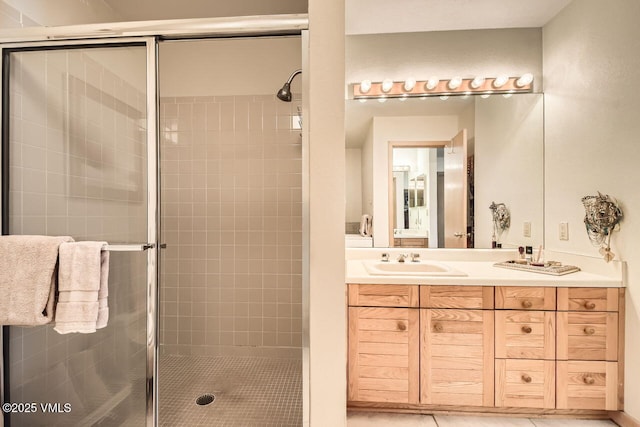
(524, 80)
(477, 82)
(444, 97)
(507, 95)
(362, 100)
(486, 94)
(365, 86)
(386, 85)
(409, 84)
(454, 83)
(500, 81)
(432, 83)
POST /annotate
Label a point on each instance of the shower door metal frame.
(151, 32)
(151, 246)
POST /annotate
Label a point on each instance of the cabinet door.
(383, 354)
(523, 383)
(525, 334)
(456, 359)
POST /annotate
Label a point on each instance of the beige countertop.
(480, 272)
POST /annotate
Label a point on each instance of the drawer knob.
(527, 304)
(589, 380)
(589, 305)
(526, 378)
(589, 330)
(437, 327)
(402, 326)
(526, 329)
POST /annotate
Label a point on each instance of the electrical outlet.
(526, 231)
(564, 231)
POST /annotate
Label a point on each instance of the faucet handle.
(385, 257)
(414, 257)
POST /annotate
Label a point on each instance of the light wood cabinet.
(500, 348)
(383, 354)
(524, 383)
(456, 358)
(587, 385)
(589, 355)
(525, 298)
(525, 334)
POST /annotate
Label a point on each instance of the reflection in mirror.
(416, 174)
(503, 158)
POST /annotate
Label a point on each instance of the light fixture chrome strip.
(447, 87)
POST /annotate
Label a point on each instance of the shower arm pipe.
(295, 73)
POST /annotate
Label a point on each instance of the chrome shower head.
(284, 94)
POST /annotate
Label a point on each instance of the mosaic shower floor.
(249, 391)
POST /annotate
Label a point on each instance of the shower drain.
(205, 399)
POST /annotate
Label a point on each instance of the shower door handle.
(135, 247)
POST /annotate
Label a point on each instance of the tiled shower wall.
(78, 163)
(232, 220)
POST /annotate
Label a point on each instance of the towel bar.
(137, 247)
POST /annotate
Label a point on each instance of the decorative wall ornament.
(501, 219)
(602, 215)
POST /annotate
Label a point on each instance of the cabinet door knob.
(527, 304)
(589, 380)
(589, 330)
(402, 326)
(526, 329)
(589, 305)
(526, 378)
(437, 327)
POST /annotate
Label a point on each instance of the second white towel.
(83, 287)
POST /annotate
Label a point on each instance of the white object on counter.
(358, 241)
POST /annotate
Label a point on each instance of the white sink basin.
(409, 268)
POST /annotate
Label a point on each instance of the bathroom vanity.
(465, 336)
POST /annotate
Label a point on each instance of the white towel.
(83, 288)
(366, 225)
(27, 278)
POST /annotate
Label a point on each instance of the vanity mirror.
(408, 191)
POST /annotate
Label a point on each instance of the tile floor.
(249, 391)
(366, 419)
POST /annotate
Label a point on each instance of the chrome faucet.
(402, 257)
(385, 257)
(414, 257)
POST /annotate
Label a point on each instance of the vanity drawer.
(587, 336)
(588, 299)
(587, 385)
(383, 295)
(525, 298)
(525, 334)
(525, 383)
(479, 297)
(409, 242)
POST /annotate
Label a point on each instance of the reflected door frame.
(457, 144)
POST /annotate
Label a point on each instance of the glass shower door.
(79, 156)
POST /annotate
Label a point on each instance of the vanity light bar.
(454, 86)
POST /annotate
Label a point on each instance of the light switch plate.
(526, 230)
(564, 231)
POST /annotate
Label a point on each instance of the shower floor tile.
(249, 391)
